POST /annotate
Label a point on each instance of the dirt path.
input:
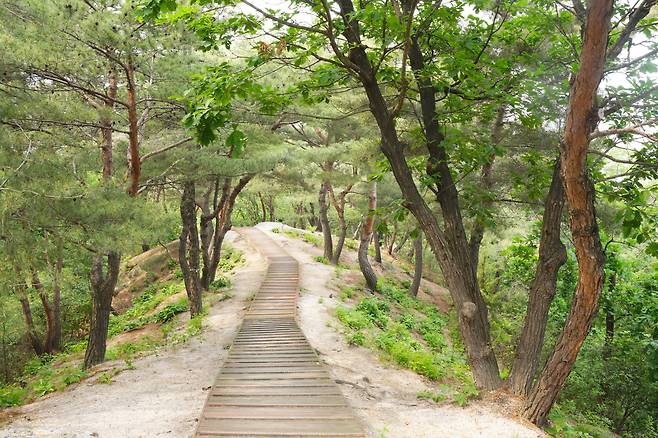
(164, 395)
(383, 396)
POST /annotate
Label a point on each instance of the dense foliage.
(496, 133)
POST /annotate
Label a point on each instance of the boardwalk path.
(272, 383)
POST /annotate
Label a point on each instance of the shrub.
(321, 259)
(220, 282)
(170, 311)
(356, 338)
(352, 318)
(11, 395)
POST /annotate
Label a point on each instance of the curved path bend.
(272, 383)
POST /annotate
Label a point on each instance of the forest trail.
(272, 383)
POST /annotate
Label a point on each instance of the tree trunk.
(580, 122)
(188, 249)
(378, 246)
(134, 161)
(262, 207)
(270, 207)
(366, 236)
(102, 289)
(418, 264)
(222, 216)
(21, 291)
(48, 341)
(450, 246)
(324, 221)
(339, 205)
(477, 233)
(57, 298)
(552, 255)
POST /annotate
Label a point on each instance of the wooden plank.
(273, 383)
(276, 426)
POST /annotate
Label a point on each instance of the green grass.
(321, 259)
(305, 236)
(410, 333)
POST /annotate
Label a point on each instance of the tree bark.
(552, 255)
(102, 287)
(49, 336)
(580, 122)
(31, 331)
(378, 246)
(418, 264)
(134, 162)
(366, 236)
(324, 221)
(222, 217)
(339, 205)
(188, 249)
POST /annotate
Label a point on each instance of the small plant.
(105, 378)
(42, 387)
(220, 283)
(170, 311)
(357, 338)
(431, 395)
(352, 318)
(321, 259)
(467, 392)
(195, 325)
(11, 395)
(74, 375)
(129, 364)
(320, 300)
(346, 293)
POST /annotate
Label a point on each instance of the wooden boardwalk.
(272, 383)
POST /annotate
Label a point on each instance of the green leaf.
(236, 141)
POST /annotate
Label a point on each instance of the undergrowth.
(50, 373)
(410, 333)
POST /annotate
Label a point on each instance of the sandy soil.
(383, 396)
(163, 396)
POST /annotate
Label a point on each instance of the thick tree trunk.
(449, 246)
(324, 222)
(102, 289)
(188, 249)
(366, 236)
(552, 255)
(418, 264)
(580, 122)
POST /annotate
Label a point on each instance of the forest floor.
(383, 395)
(165, 392)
